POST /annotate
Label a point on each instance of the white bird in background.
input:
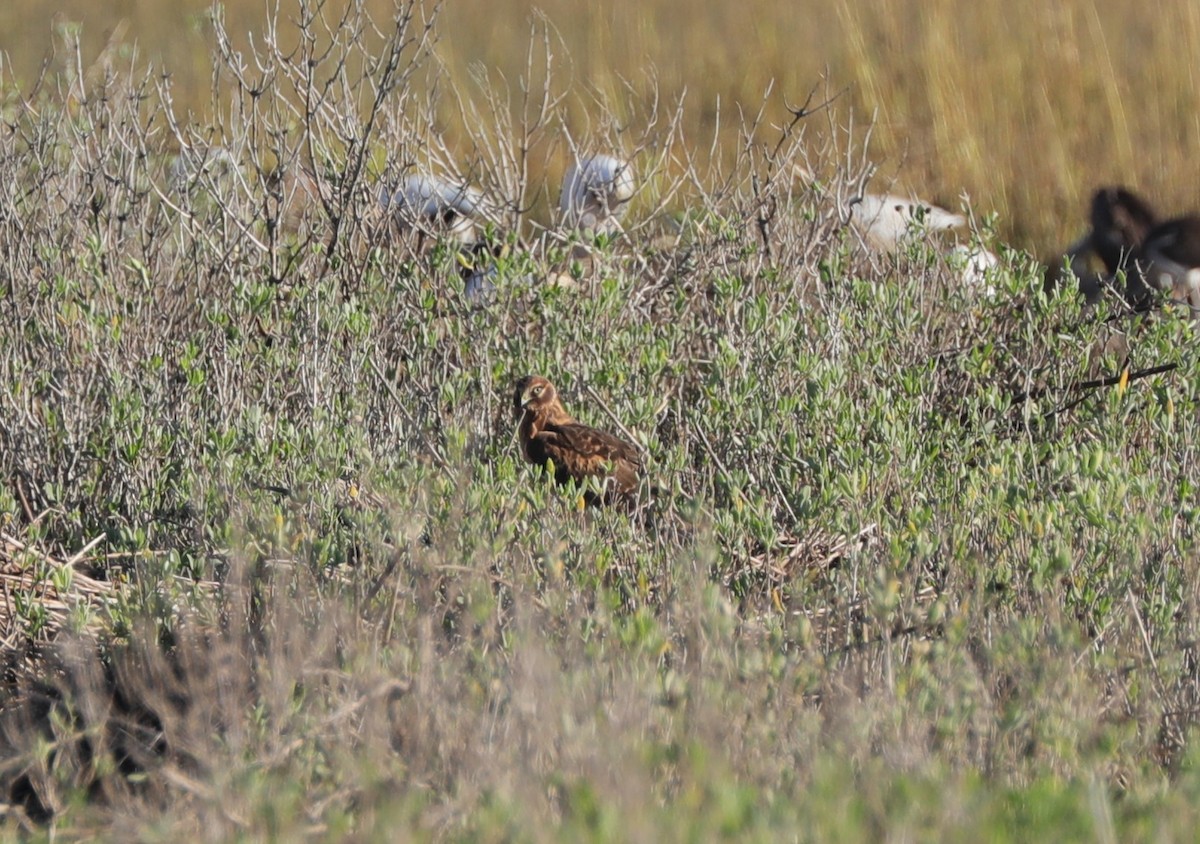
(433, 206)
(976, 267)
(594, 193)
(885, 221)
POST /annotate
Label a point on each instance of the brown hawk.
(549, 434)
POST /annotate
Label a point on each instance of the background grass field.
(925, 564)
(1024, 106)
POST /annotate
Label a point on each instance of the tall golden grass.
(1025, 106)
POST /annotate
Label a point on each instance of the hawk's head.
(533, 392)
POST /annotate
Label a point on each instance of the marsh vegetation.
(923, 563)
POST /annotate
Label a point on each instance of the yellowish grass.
(1023, 105)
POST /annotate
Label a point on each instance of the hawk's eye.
(537, 391)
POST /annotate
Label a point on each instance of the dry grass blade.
(28, 578)
(793, 556)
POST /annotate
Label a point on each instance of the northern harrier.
(549, 434)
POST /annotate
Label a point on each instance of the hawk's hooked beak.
(523, 402)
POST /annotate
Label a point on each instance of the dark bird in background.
(1119, 222)
(1169, 260)
(548, 433)
(1127, 236)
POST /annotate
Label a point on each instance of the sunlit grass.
(1024, 106)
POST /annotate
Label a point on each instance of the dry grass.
(1025, 107)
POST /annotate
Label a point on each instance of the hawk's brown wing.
(579, 451)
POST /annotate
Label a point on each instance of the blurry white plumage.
(1169, 260)
(975, 266)
(594, 193)
(885, 220)
(434, 206)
